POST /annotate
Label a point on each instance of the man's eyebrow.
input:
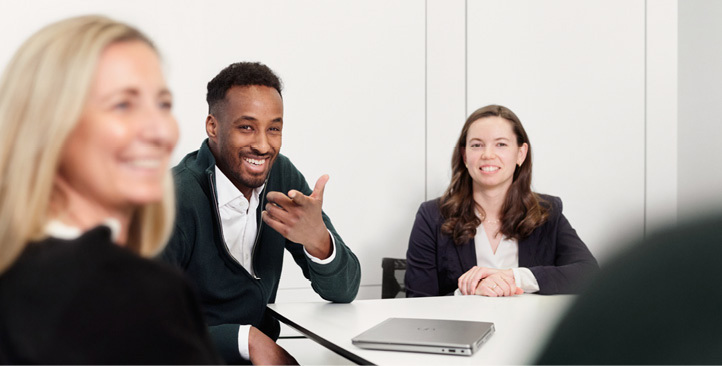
(245, 119)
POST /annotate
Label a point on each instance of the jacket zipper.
(220, 227)
(259, 220)
(260, 226)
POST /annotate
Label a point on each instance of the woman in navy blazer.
(489, 234)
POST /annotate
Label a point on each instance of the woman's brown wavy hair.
(522, 211)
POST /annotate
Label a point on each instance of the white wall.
(377, 90)
(580, 96)
(700, 107)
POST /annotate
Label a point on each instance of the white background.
(376, 92)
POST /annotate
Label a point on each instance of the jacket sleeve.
(225, 338)
(175, 252)
(571, 261)
(337, 281)
(421, 278)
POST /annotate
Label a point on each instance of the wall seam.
(426, 100)
(646, 96)
(466, 57)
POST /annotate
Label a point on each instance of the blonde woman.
(85, 193)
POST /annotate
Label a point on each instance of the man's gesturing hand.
(298, 218)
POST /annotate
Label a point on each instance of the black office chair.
(392, 281)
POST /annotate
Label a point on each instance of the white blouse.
(506, 256)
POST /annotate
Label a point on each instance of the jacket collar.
(205, 160)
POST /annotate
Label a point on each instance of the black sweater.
(89, 301)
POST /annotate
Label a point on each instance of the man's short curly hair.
(240, 74)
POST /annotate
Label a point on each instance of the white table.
(522, 324)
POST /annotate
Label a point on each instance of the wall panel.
(573, 71)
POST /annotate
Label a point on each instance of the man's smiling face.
(245, 134)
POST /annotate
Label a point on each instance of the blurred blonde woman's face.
(118, 154)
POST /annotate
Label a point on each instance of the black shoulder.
(431, 209)
(283, 162)
(434, 204)
(552, 203)
(285, 176)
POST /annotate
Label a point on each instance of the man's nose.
(260, 143)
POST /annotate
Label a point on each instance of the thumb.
(486, 272)
(320, 187)
(519, 291)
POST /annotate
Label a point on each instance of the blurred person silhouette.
(85, 195)
(654, 303)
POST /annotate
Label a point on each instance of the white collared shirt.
(506, 256)
(238, 221)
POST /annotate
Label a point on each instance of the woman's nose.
(487, 152)
(160, 127)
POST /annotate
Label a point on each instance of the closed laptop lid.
(438, 335)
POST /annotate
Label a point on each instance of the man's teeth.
(145, 163)
(255, 161)
(489, 168)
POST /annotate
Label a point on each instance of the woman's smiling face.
(492, 153)
(118, 153)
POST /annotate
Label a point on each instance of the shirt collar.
(60, 230)
(228, 192)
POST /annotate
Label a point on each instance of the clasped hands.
(299, 218)
(489, 282)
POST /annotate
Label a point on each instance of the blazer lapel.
(467, 255)
(526, 257)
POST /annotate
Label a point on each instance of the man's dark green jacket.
(231, 296)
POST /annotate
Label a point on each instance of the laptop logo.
(426, 329)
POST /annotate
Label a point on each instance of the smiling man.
(240, 203)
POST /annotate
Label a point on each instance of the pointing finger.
(297, 197)
(279, 199)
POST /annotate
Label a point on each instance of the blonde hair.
(42, 94)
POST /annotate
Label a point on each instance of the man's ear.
(212, 127)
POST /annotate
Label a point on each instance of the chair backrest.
(392, 281)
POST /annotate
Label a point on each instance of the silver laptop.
(453, 337)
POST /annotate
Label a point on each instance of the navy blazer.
(553, 252)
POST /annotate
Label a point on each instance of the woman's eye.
(166, 105)
(122, 105)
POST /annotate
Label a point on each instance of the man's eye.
(501, 144)
(245, 127)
